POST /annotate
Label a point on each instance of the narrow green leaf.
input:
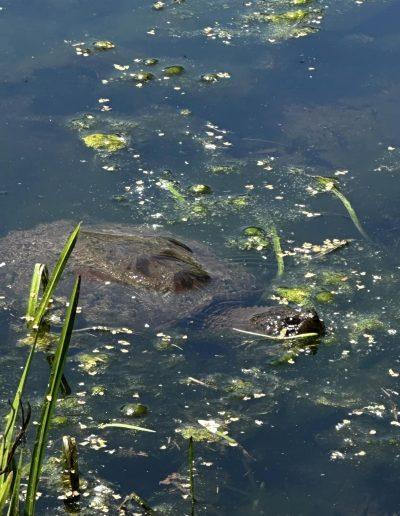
(50, 400)
(191, 475)
(350, 211)
(128, 427)
(55, 276)
(39, 278)
(270, 337)
(276, 244)
(330, 184)
(5, 491)
(11, 417)
(13, 508)
(168, 185)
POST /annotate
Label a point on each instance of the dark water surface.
(317, 435)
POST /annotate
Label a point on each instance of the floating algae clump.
(240, 201)
(223, 169)
(134, 410)
(104, 45)
(199, 434)
(106, 142)
(364, 324)
(150, 61)
(298, 295)
(240, 388)
(200, 190)
(286, 17)
(173, 70)
(324, 296)
(93, 364)
(253, 237)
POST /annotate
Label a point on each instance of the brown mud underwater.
(220, 332)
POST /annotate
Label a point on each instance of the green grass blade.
(13, 508)
(5, 490)
(168, 185)
(329, 184)
(127, 427)
(50, 400)
(350, 211)
(276, 244)
(191, 475)
(270, 337)
(39, 278)
(11, 417)
(55, 276)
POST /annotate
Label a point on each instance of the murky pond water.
(256, 100)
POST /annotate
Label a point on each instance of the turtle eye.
(292, 320)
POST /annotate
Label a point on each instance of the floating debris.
(104, 45)
(214, 77)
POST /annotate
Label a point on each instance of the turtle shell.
(131, 275)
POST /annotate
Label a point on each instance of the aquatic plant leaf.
(5, 490)
(127, 427)
(11, 418)
(40, 278)
(50, 399)
(191, 474)
(171, 187)
(329, 184)
(56, 275)
(13, 508)
(276, 244)
(350, 211)
(270, 337)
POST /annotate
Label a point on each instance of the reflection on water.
(269, 95)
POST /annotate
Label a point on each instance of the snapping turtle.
(275, 321)
(133, 276)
